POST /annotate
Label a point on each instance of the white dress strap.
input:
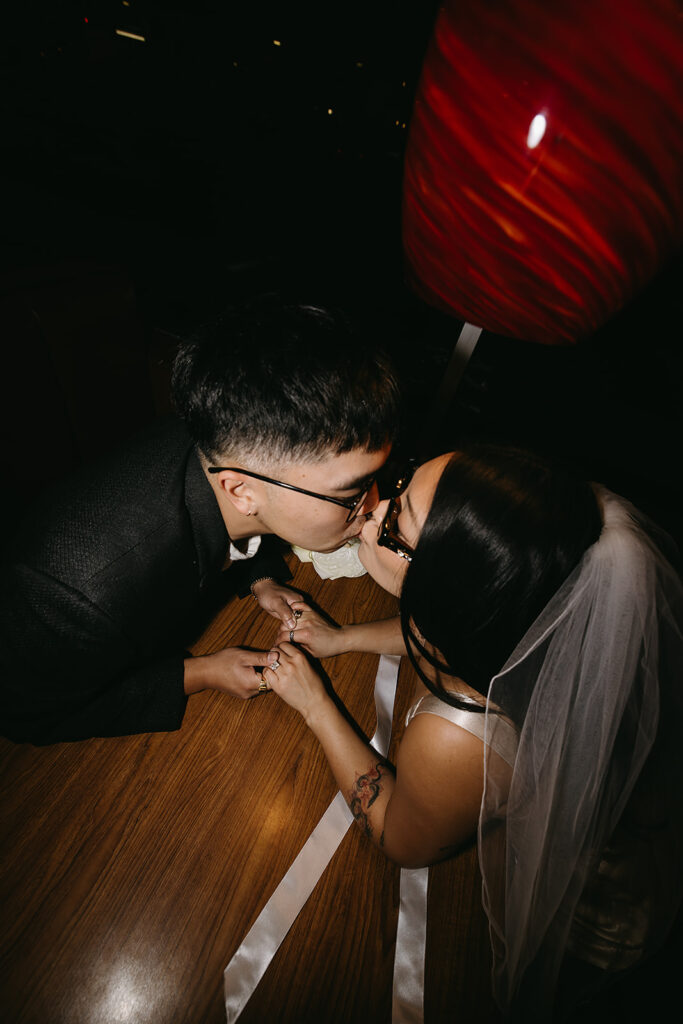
(503, 740)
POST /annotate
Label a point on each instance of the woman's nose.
(377, 513)
(370, 501)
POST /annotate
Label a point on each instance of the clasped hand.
(237, 671)
(278, 600)
(296, 681)
(232, 670)
(319, 636)
(314, 633)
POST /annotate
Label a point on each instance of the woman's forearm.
(365, 779)
(417, 818)
(324, 639)
(380, 637)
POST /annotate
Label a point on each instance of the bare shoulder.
(434, 744)
(434, 808)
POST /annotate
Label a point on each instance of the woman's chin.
(382, 577)
(365, 559)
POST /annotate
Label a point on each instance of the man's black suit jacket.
(101, 587)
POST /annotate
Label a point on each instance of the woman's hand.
(277, 600)
(297, 683)
(323, 638)
(317, 635)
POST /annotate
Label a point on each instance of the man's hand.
(277, 600)
(233, 670)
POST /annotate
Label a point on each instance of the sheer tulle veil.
(594, 690)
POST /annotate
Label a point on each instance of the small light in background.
(329, 110)
(536, 131)
(276, 42)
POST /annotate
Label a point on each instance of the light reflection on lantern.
(536, 131)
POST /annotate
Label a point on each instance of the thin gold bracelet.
(261, 579)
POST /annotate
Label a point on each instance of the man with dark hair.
(287, 416)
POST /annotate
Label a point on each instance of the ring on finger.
(297, 613)
(274, 665)
(291, 636)
(263, 686)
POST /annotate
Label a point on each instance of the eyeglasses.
(387, 536)
(354, 504)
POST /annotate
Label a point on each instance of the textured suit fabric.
(101, 587)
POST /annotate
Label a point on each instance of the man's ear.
(238, 490)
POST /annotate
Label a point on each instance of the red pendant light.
(543, 169)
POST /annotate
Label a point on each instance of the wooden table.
(132, 868)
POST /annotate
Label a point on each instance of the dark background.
(146, 185)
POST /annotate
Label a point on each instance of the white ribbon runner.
(411, 942)
(263, 940)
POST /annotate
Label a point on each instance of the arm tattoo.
(366, 789)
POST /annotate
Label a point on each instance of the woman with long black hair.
(544, 621)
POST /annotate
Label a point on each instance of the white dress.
(505, 739)
(611, 921)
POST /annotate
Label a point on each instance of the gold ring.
(262, 686)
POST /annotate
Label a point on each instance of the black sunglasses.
(353, 504)
(387, 536)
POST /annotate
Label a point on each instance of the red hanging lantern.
(543, 168)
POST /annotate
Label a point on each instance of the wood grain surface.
(132, 868)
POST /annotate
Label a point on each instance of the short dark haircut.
(504, 530)
(274, 382)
